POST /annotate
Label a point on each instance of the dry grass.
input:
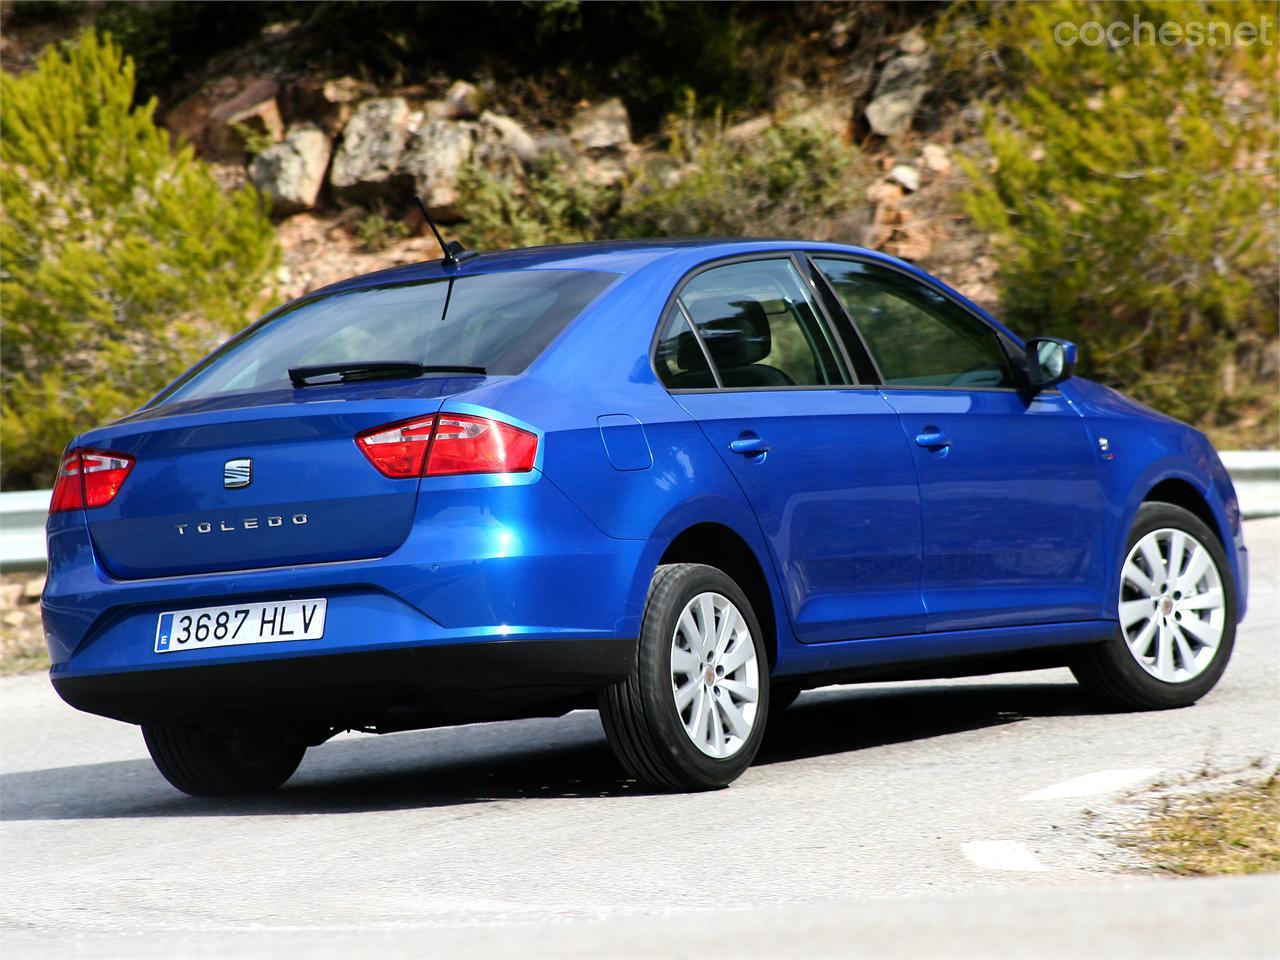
(1234, 830)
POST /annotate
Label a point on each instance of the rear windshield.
(498, 321)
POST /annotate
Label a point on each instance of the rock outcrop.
(254, 109)
(604, 126)
(367, 165)
(339, 144)
(902, 85)
(434, 160)
(292, 172)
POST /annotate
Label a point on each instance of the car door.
(746, 348)
(1009, 489)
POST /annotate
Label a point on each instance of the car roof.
(626, 257)
(611, 256)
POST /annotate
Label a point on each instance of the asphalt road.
(967, 818)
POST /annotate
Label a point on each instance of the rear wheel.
(206, 762)
(1177, 615)
(692, 715)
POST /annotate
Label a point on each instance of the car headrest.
(735, 330)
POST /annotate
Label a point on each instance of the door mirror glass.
(1050, 361)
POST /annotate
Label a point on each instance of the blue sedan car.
(679, 481)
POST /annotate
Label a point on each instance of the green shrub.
(790, 180)
(552, 205)
(255, 139)
(375, 232)
(1130, 195)
(121, 260)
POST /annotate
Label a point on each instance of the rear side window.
(758, 323)
(499, 321)
(682, 362)
(917, 336)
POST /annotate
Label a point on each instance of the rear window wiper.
(371, 370)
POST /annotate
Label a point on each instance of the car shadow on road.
(844, 719)
(562, 758)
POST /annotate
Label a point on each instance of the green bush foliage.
(553, 205)
(376, 232)
(791, 179)
(1130, 193)
(121, 259)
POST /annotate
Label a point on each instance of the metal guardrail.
(1256, 476)
(1255, 473)
(22, 518)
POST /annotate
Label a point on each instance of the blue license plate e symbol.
(164, 632)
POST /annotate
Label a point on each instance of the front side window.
(917, 336)
(498, 321)
(758, 323)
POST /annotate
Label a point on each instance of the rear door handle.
(749, 446)
(933, 440)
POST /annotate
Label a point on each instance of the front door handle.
(749, 446)
(933, 440)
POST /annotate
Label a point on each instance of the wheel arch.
(720, 546)
(1182, 493)
(1183, 487)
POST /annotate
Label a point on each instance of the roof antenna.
(454, 252)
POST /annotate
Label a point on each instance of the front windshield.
(498, 321)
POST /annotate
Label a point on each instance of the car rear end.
(355, 548)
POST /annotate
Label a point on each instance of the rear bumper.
(480, 565)
(390, 689)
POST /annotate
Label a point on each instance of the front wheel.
(207, 762)
(692, 715)
(1177, 613)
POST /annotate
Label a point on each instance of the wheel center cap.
(709, 675)
(1166, 606)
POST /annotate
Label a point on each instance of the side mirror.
(1049, 361)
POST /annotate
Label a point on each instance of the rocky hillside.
(953, 135)
(340, 158)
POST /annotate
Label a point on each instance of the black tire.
(220, 763)
(1109, 672)
(640, 716)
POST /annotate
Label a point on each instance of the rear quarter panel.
(600, 367)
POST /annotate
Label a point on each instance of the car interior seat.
(736, 332)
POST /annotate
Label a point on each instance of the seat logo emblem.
(237, 473)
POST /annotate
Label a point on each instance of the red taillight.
(450, 443)
(476, 445)
(398, 449)
(89, 478)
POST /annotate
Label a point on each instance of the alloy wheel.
(715, 675)
(1172, 608)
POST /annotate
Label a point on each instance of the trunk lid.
(311, 496)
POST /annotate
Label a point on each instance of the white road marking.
(1002, 855)
(1092, 784)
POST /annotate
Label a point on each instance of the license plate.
(240, 623)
